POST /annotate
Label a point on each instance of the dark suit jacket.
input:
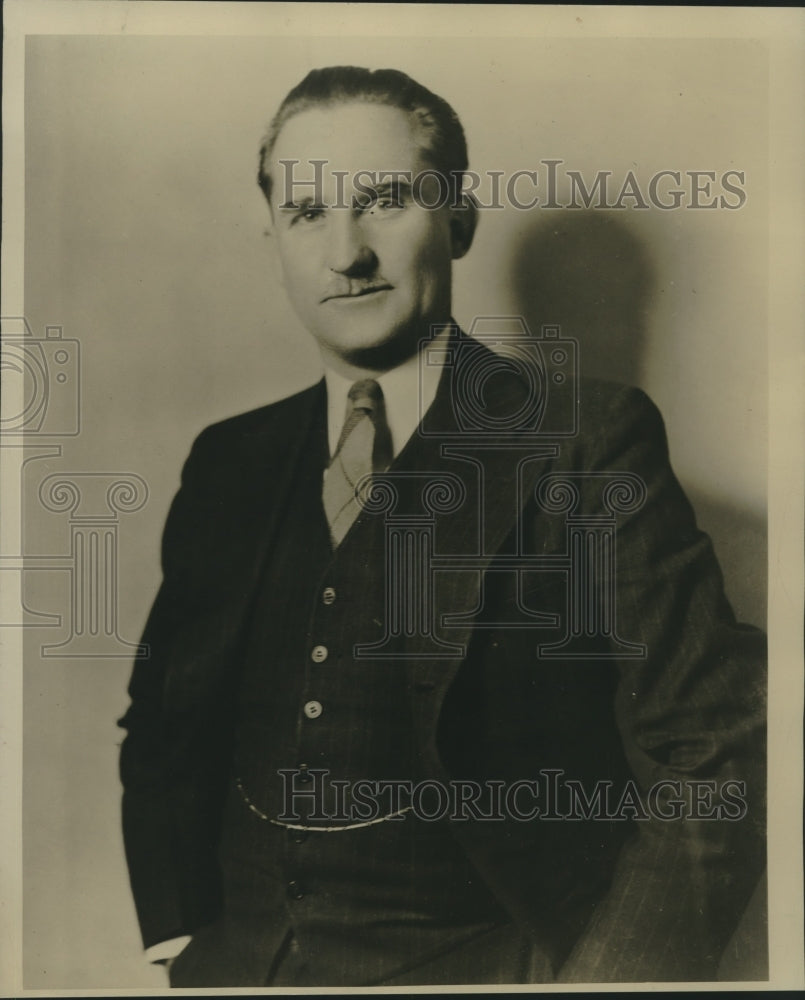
(651, 900)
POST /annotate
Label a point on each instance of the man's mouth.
(357, 293)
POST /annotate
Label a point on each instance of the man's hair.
(443, 145)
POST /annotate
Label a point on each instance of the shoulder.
(524, 380)
(609, 406)
(249, 429)
(616, 428)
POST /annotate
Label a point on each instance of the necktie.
(364, 447)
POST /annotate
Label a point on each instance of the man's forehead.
(348, 137)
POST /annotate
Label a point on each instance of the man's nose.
(348, 250)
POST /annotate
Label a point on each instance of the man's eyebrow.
(395, 188)
(301, 204)
(394, 185)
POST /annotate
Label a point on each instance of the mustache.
(351, 288)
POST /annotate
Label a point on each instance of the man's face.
(366, 267)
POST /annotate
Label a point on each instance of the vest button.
(319, 654)
(328, 595)
(295, 890)
(313, 709)
(304, 777)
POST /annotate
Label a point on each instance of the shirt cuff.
(167, 949)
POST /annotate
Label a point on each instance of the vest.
(359, 905)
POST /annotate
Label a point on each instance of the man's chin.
(378, 355)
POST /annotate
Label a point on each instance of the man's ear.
(463, 220)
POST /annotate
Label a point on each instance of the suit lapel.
(470, 488)
(265, 458)
(277, 453)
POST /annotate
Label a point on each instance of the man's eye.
(389, 201)
(383, 203)
(309, 215)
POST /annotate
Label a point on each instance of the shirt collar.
(408, 391)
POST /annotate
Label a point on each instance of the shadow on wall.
(591, 274)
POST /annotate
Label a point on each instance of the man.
(408, 577)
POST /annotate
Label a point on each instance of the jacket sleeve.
(691, 715)
(169, 760)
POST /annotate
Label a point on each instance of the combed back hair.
(442, 138)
